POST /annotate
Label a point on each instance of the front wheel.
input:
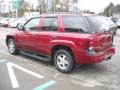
(11, 46)
(63, 61)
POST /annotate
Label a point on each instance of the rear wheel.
(63, 61)
(11, 46)
(115, 32)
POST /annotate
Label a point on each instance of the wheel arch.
(57, 47)
(7, 38)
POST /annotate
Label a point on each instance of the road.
(21, 72)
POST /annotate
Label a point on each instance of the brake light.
(91, 48)
(91, 45)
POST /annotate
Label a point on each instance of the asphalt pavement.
(21, 72)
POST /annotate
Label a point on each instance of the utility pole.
(54, 5)
(16, 13)
(1, 2)
(29, 8)
(67, 5)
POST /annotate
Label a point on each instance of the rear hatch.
(102, 33)
(102, 41)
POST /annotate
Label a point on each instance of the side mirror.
(20, 27)
(27, 29)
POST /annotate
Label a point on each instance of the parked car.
(114, 19)
(15, 23)
(7, 21)
(3, 20)
(65, 39)
(113, 27)
(118, 23)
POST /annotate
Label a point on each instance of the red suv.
(65, 39)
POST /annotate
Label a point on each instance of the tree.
(55, 5)
(75, 1)
(67, 2)
(41, 6)
(110, 9)
(88, 12)
(116, 8)
(25, 7)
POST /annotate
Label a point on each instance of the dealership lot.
(23, 73)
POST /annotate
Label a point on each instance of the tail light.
(91, 45)
(91, 48)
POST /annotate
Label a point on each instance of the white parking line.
(2, 61)
(13, 77)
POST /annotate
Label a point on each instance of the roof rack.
(62, 13)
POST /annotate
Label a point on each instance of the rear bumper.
(86, 57)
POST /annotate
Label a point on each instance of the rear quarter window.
(74, 24)
(99, 23)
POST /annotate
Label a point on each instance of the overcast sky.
(96, 5)
(92, 5)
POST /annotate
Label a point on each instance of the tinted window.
(74, 24)
(100, 23)
(50, 24)
(33, 24)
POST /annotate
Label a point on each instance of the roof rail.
(62, 13)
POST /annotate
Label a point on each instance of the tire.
(17, 25)
(63, 61)
(115, 32)
(12, 47)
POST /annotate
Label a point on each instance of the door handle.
(34, 35)
(54, 37)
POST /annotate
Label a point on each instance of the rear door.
(103, 41)
(48, 33)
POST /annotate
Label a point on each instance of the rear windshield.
(75, 24)
(100, 23)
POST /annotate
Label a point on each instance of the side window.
(50, 24)
(74, 24)
(32, 24)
